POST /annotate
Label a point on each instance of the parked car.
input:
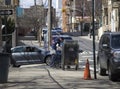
(108, 58)
(22, 55)
(56, 38)
(54, 32)
(45, 32)
(66, 37)
(59, 30)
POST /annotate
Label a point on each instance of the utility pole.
(15, 36)
(49, 22)
(82, 24)
(74, 17)
(93, 29)
(35, 7)
(35, 24)
(41, 24)
(0, 30)
(0, 34)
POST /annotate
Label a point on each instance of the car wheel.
(15, 65)
(111, 75)
(48, 60)
(101, 71)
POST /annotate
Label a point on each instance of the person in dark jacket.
(57, 57)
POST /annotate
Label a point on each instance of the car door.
(35, 56)
(27, 54)
(18, 55)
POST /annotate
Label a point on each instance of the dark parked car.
(54, 32)
(108, 58)
(59, 30)
(21, 55)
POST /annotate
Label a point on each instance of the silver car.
(22, 55)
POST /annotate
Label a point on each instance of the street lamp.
(82, 24)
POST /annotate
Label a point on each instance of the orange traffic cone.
(87, 75)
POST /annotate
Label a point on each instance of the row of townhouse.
(76, 12)
(110, 16)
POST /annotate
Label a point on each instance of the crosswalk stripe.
(88, 52)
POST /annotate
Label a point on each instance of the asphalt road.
(86, 44)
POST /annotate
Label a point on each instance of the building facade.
(64, 16)
(58, 4)
(77, 14)
(59, 13)
(110, 16)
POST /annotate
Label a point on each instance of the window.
(115, 42)
(28, 49)
(18, 49)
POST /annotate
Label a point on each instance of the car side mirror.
(80, 51)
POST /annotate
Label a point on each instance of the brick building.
(77, 14)
(110, 16)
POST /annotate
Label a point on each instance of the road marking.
(88, 56)
(88, 52)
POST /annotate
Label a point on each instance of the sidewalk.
(44, 77)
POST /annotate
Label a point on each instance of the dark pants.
(56, 59)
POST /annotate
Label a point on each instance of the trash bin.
(4, 67)
(70, 54)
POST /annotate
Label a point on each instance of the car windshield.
(115, 42)
(67, 38)
(54, 33)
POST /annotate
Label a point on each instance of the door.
(27, 54)
(18, 55)
(35, 56)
